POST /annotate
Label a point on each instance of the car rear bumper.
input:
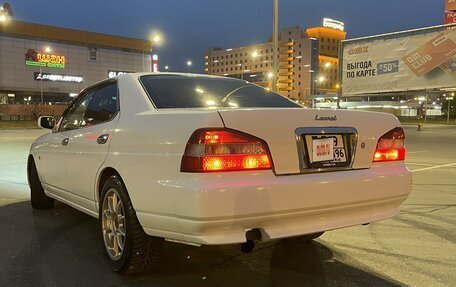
(219, 209)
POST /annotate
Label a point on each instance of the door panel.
(52, 157)
(87, 148)
(84, 158)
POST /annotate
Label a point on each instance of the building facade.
(307, 60)
(47, 64)
(329, 40)
(297, 63)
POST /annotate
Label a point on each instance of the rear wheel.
(128, 248)
(38, 198)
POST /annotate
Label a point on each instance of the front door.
(53, 154)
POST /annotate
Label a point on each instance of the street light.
(156, 39)
(189, 63)
(449, 108)
(255, 54)
(275, 42)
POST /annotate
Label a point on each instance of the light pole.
(154, 40)
(270, 75)
(41, 86)
(275, 43)
(449, 107)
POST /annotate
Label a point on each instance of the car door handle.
(102, 139)
(65, 141)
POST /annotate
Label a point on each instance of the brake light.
(224, 150)
(390, 146)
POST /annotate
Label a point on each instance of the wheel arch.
(104, 175)
(30, 159)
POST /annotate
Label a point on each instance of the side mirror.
(46, 122)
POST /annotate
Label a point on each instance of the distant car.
(207, 160)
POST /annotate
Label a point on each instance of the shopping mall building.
(46, 64)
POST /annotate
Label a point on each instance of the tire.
(129, 249)
(38, 198)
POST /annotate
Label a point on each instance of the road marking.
(434, 167)
(415, 163)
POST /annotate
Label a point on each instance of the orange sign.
(430, 55)
(450, 5)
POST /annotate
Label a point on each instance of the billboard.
(417, 62)
(450, 5)
(450, 17)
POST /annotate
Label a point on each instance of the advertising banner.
(450, 5)
(450, 17)
(417, 62)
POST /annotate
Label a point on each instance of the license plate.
(326, 151)
(322, 149)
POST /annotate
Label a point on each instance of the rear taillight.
(390, 146)
(224, 150)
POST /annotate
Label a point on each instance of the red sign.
(450, 17)
(450, 5)
(155, 66)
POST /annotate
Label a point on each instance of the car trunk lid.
(294, 135)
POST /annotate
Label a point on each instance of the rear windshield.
(169, 91)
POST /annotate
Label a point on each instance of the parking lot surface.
(61, 247)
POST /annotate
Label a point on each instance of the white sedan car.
(209, 160)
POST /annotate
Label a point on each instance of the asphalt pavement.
(61, 247)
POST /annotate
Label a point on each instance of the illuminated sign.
(57, 77)
(331, 23)
(33, 58)
(155, 67)
(112, 74)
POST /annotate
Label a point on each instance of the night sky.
(190, 27)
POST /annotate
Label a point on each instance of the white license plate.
(322, 149)
(339, 155)
(328, 149)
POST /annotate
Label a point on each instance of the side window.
(73, 118)
(103, 106)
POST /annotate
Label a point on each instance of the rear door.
(88, 147)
